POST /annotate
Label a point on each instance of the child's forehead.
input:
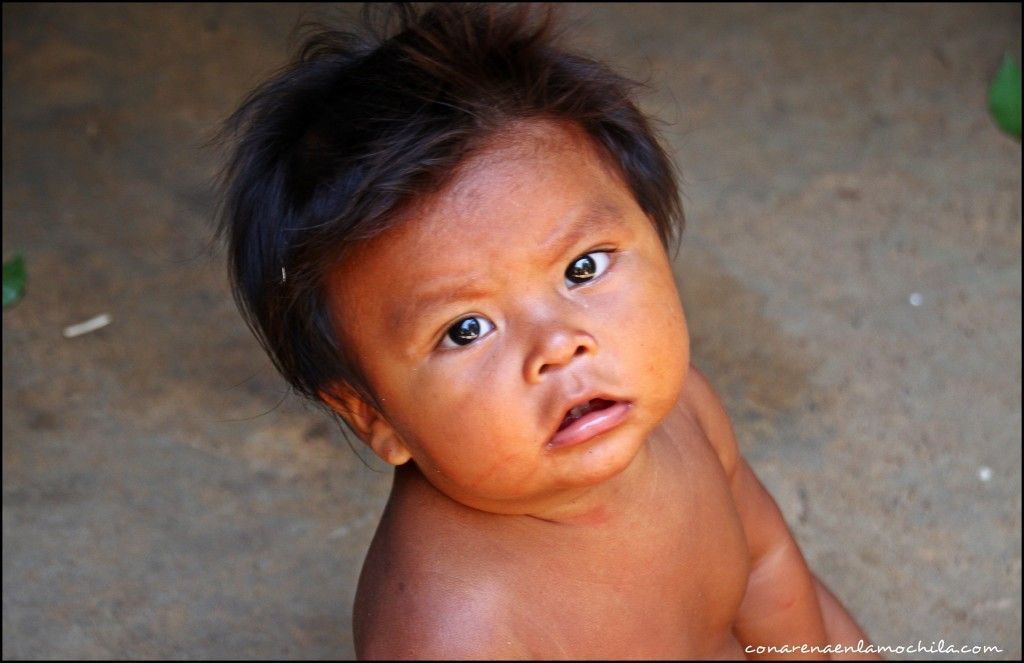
(510, 169)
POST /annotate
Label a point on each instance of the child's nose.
(557, 347)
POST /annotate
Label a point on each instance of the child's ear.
(371, 427)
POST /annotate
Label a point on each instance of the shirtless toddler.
(456, 237)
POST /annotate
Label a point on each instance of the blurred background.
(851, 272)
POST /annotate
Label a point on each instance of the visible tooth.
(579, 410)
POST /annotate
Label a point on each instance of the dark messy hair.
(330, 150)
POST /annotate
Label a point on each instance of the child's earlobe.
(386, 443)
(368, 425)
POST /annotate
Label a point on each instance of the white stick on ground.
(89, 325)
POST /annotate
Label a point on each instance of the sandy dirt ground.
(851, 271)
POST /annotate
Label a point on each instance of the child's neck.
(623, 501)
(610, 503)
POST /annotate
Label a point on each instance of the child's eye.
(586, 267)
(466, 331)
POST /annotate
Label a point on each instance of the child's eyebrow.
(599, 215)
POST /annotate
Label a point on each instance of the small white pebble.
(339, 532)
(89, 325)
(915, 299)
(985, 473)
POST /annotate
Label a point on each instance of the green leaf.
(14, 280)
(1004, 97)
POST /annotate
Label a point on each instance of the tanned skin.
(651, 538)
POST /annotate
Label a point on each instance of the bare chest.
(667, 590)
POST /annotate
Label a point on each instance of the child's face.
(477, 341)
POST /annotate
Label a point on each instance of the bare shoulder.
(707, 408)
(421, 594)
(434, 617)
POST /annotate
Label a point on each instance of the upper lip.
(570, 403)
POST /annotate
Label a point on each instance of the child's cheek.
(651, 329)
(467, 383)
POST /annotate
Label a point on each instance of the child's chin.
(602, 459)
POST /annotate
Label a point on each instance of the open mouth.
(575, 413)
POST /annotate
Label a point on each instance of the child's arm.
(781, 604)
(784, 603)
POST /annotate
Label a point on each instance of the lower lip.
(591, 425)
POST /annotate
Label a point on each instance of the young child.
(456, 238)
